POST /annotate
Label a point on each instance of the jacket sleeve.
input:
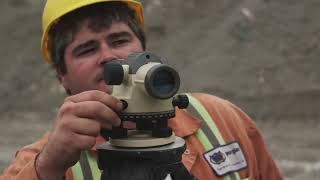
(266, 165)
(23, 168)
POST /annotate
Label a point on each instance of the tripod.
(152, 163)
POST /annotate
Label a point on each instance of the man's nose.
(106, 55)
(105, 60)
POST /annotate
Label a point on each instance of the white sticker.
(225, 159)
(168, 177)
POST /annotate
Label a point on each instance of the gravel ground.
(294, 144)
(263, 55)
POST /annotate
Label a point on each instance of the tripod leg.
(182, 174)
(175, 171)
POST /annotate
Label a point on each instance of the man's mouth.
(99, 77)
(100, 80)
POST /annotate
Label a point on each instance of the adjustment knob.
(181, 101)
(113, 73)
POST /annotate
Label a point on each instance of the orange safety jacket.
(211, 125)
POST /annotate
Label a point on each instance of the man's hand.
(78, 124)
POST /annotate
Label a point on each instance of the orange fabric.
(23, 166)
(233, 124)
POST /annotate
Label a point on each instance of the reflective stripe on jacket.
(87, 167)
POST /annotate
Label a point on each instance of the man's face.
(89, 51)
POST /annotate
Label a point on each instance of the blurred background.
(262, 55)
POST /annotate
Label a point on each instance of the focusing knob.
(181, 101)
(124, 104)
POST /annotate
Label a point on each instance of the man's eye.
(86, 51)
(119, 42)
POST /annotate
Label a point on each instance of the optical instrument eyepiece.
(113, 73)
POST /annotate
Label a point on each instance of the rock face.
(262, 55)
(259, 54)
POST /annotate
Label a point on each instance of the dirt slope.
(264, 65)
(260, 54)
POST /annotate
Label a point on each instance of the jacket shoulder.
(224, 112)
(212, 101)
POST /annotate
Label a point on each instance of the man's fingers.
(96, 95)
(84, 141)
(92, 110)
(92, 128)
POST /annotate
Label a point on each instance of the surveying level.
(148, 90)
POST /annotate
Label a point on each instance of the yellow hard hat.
(55, 9)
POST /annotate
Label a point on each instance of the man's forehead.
(90, 25)
(85, 33)
(114, 26)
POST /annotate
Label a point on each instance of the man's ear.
(59, 74)
(61, 78)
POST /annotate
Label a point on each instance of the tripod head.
(154, 163)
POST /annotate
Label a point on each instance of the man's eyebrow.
(83, 45)
(117, 35)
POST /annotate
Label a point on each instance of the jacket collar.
(184, 124)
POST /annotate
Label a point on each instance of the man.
(79, 37)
